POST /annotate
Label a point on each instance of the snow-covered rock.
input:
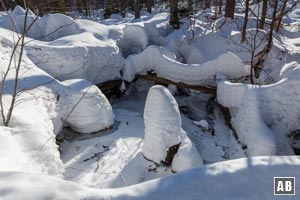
(202, 123)
(163, 130)
(226, 64)
(92, 111)
(186, 157)
(80, 56)
(42, 105)
(57, 25)
(162, 124)
(133, 40)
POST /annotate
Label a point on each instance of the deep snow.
(103, 144)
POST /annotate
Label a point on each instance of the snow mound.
(79, 56)
(41, 107)
(163, 131)
(270, 101)
(226, 64)
(249, 125)
(290, 71)
(154, 37)
(92, 110)
(133, 40)
(57, 25)
(186, 157)
(162, 124)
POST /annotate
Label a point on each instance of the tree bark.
(137, 13)
(220, 6)
(245, 21)
(149, 4)
(229, 10)
(207, 4)
(270, 37)
(174, 20)
(281, 14)
(263, 14)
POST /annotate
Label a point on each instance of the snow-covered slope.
(43, 106)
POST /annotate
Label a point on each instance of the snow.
(133, 40)
(270, 102)
(163, 130)
(98, 146)
(92, 111)
(216, 181)
(72, 57)
(226, 64)
(162, 124)
(187, 156)
(202, 123)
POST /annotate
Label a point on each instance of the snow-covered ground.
(66, 140)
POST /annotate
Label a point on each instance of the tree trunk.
(137, 13)
(207, 4)
(149, 4)
(281, 15)
(263, 14)
(220, 6)
(229, 10)
(122, 7)
(270, 37)
(174, 20)
(245, 21)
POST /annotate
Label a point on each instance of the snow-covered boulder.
(227, 64)
(133, 40)
(163, 131)
(80, 56)
(90, 111)
(57, 25)
(162, 124)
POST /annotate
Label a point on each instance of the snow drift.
(223, 180)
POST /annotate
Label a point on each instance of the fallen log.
(160, 80)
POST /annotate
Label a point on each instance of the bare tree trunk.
(263, 14)
(137, 13)
(122, 7)
(149, 4)
(174, 20)
(229, 10)
(270, 36)
(245, 21)
(220, 6)
(281, 14)
(207, 4)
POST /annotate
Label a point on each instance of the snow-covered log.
(162, 62)
(163, 131)
(277, 104)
